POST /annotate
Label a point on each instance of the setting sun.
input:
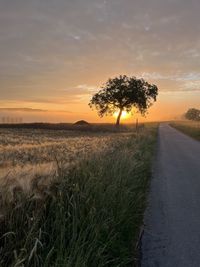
(125, 115)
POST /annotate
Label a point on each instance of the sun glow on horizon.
(125, 115)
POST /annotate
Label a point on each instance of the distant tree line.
(193, 114)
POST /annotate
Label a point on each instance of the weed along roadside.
(89, 215)
(188, 127)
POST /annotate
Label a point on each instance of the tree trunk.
(119, 117)
(136, 125)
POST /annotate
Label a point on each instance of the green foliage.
(124, 93)
(90, 217)
(193, 114)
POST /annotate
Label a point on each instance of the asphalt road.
(171, 235)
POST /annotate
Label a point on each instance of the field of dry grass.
(27, 154)
(71, 198)
(191, 128)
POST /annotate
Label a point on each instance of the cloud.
(32, 110)
(177, 82)
(87, 88)
(47, 46)
(191, 76)
(23, 110)
(79, 91)
(192, 86)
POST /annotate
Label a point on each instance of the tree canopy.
(122, 94)
(193, 114)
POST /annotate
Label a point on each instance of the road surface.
(171, 235)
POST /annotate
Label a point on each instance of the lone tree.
(122, 94)
(193, 114)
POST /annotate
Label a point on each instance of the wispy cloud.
(87, 88)
(191, 76)
(23, 109)
(57, 53)
(33, 110)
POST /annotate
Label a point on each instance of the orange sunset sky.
(54, 54)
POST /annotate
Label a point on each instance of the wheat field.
(71, 198)
(28, 154)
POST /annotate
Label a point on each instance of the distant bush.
(82, 123)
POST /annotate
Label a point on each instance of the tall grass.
(188, 127)
(90, 216)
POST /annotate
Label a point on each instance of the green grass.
(90, 217)
(190, 128)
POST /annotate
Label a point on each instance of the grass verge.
(90, 217)
(190, 128)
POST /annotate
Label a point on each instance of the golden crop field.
(64, 194)
(26, 154)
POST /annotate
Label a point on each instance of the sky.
(54, 54)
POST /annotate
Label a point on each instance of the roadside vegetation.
(191, 128)
(88, 214)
